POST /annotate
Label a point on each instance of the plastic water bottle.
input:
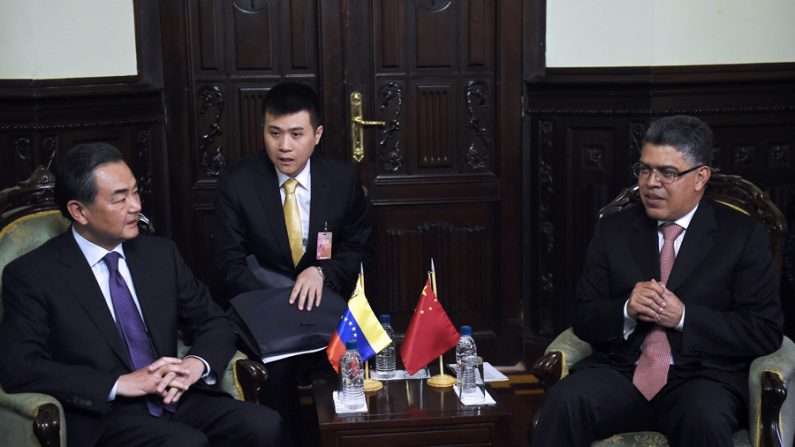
(385, 360)
(465, 348)
(351, 377)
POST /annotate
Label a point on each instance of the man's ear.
(78, 211)
(702, 177)
(318, 134)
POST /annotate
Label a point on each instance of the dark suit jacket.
(723, 274)
(250, 220)
(58, 336)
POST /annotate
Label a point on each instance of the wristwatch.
(320, 270)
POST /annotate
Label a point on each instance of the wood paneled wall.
(583, 132)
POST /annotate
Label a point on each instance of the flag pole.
(370, 385)
(440, 380)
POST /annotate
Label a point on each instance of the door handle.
(357, 127)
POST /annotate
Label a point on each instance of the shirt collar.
(91, 251)
(302, 177)
(683, 221)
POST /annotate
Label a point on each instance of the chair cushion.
(26, 233)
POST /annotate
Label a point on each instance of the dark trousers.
(596, 403)
(201, 419)
(281, 391)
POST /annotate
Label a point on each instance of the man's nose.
(135, 203)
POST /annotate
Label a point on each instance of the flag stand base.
(371, 385)
(441, 381)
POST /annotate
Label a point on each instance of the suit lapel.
(318, 213)
(80, 279)
(147, 281)
(698, 241)
(643, 243)
(269, 195)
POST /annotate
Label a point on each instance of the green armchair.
(771, 416)
(28, 218)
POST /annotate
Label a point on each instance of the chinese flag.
(430, 332)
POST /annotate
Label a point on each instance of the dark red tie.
(651, 374)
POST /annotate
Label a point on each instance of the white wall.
(593, 33)
(51, 39)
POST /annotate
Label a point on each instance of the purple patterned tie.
(651, 374)
(131, 326)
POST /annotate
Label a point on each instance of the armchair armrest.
(771, 411)
(244, 378)
(19, 412)
(564, 351)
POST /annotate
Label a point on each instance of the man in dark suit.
(672, 345)
(91, 318)
(299, 216)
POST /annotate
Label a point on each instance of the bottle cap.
(385, 319)
(466, 330)
(350, 345)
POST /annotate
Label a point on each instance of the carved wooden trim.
(546, 226)
(27, 127)
(251, 5)
(212, 159)
(392, 158)
(23, 153)
(143, 147)
(434, 5)
(478, 155)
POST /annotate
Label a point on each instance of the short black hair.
(74, 174)
(688, 134)
(292, 97)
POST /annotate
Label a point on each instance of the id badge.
(324, 245)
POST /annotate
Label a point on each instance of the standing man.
(298, 216)
(91, 318)
(677, 297)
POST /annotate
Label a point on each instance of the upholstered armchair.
(28, 218)
(771, 416)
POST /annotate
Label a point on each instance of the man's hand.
(167, 377)
(308, 289)
(652, 302)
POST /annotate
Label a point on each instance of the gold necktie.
(293, 220)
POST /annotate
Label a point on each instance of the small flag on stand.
(430, 333)
(359, 323)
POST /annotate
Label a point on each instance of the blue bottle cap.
(466, 330)
(350, 345)
(385, 319)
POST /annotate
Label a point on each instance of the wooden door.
(443, 175)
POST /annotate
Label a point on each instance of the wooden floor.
(521, 396)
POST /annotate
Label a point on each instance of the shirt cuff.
(629, 323)
(208, 377)
(112, 394)
(681, 325)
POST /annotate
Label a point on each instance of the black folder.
(274, 326)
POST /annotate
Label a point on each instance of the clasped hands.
(167, 377)
(652, 302)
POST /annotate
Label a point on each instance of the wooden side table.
(409, 413)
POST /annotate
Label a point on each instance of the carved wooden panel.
(435, 123)
(254, 36)
(210, 39)
(250, 121)
(460, 239)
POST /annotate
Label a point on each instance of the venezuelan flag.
(357, 323)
